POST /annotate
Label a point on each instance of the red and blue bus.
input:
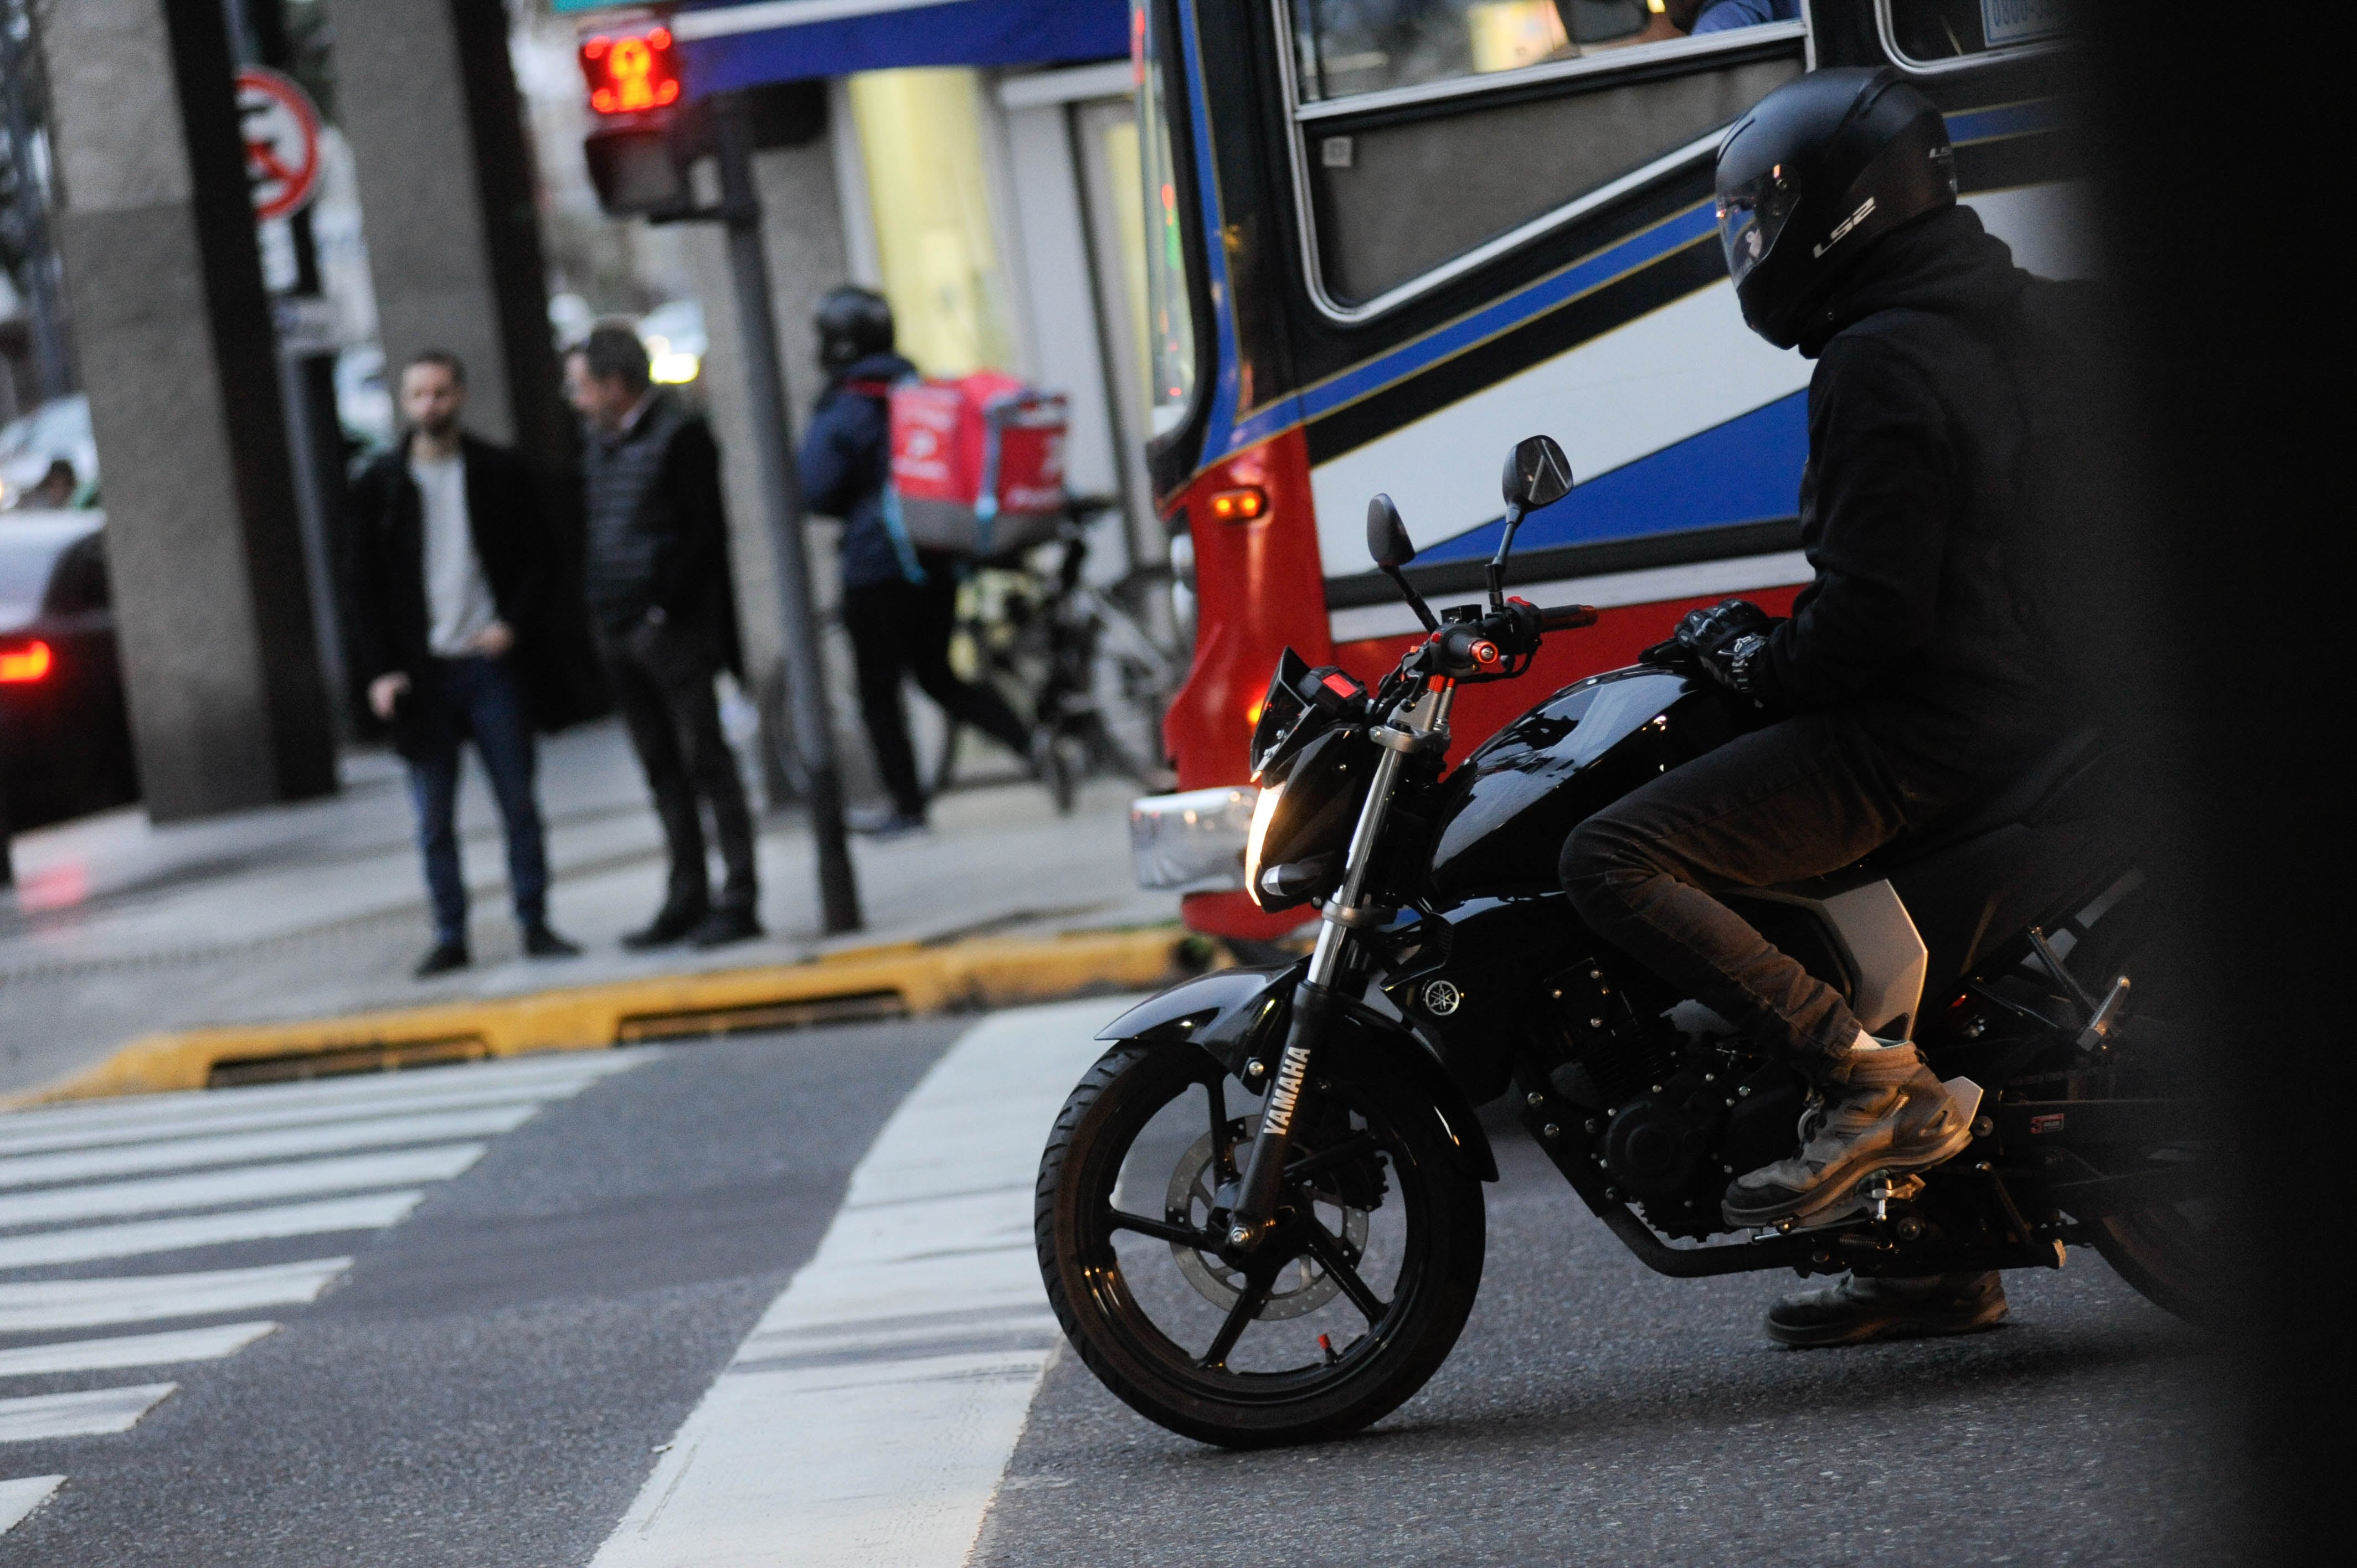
(1388, 238)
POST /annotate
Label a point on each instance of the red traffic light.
(629, 73)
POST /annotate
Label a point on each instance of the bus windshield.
(1170, 349)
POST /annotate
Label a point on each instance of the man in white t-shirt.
(447, 568)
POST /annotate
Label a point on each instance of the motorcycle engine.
(1679, 1116)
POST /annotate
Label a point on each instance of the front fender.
(1235, 1014)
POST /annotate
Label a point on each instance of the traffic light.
(639, 155)
(630, 73)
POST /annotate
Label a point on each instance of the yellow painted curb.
(907, 978)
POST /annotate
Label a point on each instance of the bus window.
(1929, 32)
(1405, 171)
(1366, 46)
(1171, 358)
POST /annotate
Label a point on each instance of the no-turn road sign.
(281, 141)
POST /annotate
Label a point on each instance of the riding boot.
(1856, 1310)
(1883, 1111)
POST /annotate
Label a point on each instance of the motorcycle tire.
(2168, 1256)
(1119, 1310)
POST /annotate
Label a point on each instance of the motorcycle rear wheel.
(1127, 1286)
(2171, 1255)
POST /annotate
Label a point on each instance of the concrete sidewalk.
(118, 929)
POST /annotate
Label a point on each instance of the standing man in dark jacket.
(657, 582)
(448, 567)
(1909, 667)
(898, 607)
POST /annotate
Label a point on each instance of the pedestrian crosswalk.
(870, 1413)
(110, 1185)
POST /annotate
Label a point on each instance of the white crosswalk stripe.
(194, 1154)
(167, 1349)
(196, 1111)
(848, 1428)
(84, 1414)
(147, 1298)
(255, 1184)
(410, 1100)
(18, 1498)
(91, 1241)
(123, 1180)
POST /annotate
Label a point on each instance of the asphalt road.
(489, 1379)
(1597, 1414)
(488, 1382)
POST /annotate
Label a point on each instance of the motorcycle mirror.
(1388, 542)
(1387, 538)
(1537, 474)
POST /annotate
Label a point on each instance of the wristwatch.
(1739, 655)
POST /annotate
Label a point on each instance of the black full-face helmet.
(1820, 169)
(853, 323)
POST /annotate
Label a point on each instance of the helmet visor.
(1751, 216)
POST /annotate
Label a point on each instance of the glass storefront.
(921, 138)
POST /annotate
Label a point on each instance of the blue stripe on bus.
(1227, 434)
(2008, 120)
(1469, 331)
(1746, 470)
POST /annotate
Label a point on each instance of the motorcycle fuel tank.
(1507, 808)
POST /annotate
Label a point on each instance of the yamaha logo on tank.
(1442, 998)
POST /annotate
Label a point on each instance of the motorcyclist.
(1907, 677)
(899, 606)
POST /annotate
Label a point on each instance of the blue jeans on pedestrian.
(479, 698)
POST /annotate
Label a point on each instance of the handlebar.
(1566, 617)
(1469, 645)
(1473, 648)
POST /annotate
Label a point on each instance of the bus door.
(1395, 236)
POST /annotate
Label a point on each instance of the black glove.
(1726, 640)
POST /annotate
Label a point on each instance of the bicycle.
(1074, 658)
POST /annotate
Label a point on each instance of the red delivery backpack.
(977, 464)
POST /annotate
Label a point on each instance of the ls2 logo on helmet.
(1843, 227)
(1441, 998)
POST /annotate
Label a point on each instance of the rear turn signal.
(1244, 505)
(26, 662)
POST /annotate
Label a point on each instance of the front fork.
(1422, 727)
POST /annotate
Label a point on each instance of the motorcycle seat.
(2047, 778)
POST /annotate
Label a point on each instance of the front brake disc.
(1302, 1286)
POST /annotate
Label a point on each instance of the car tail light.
(26, 662)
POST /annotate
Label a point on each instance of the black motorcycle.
(1259, 1214)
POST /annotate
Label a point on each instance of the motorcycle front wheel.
(1352, 1304)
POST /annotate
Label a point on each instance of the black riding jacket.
(1914, 426)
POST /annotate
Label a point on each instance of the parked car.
(65, 733)
(30, 444)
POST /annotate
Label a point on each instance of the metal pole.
(51, 355)
(782, 496)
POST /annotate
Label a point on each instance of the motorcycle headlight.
(1263, 814)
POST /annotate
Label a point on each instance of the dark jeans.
(903, 628)
(662, 682)
(477, 697)
(1799, 798)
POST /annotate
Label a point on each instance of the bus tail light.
(24, 663)
(1248, 503)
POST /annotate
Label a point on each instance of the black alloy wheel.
(1353, 1302)
(2171, 1255)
